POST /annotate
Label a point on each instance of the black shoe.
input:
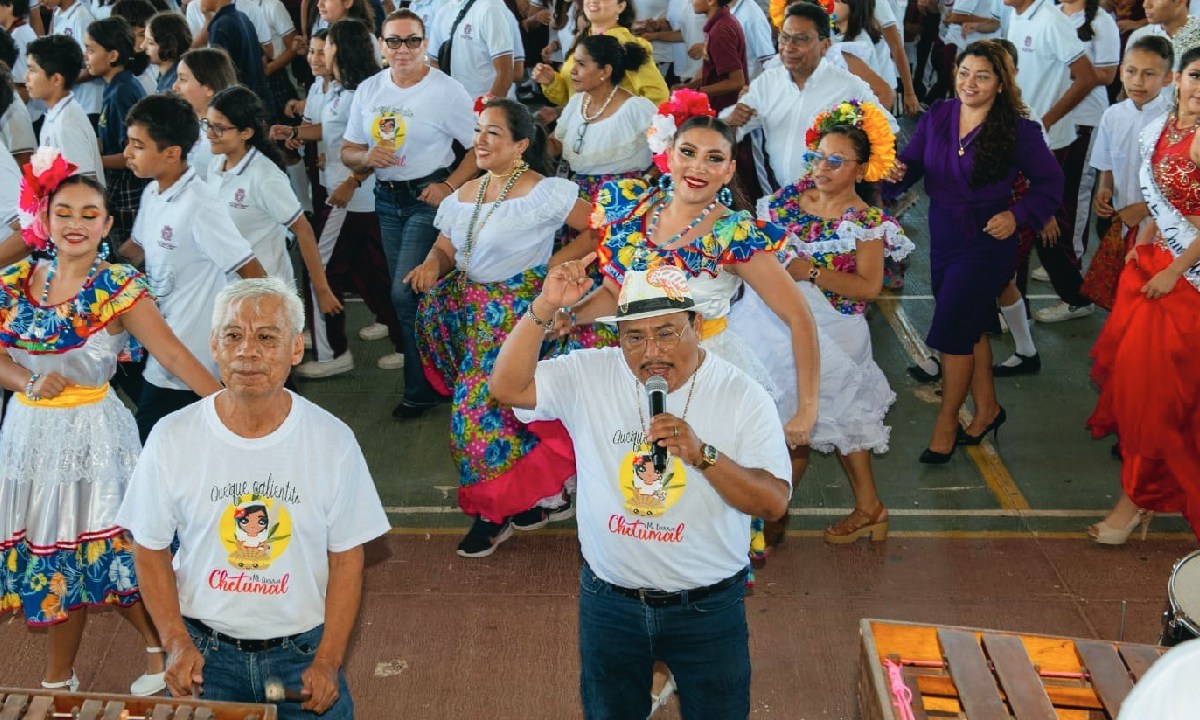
(929, 457)
(539, 517)
(408, 410)
(965, 438)
(918, 373)
(483, 538)
(1029, 365)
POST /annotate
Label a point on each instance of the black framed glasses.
(211, 128)
(412, 42)
(577, 146)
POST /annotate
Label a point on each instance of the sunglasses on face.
(833, 162)
(412, 42)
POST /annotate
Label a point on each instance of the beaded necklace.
(654, 217)
(473, 230)
(41, 310)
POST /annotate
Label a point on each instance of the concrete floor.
(993, 539)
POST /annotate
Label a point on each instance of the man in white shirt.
(483, 45)
(757, 29)
(1170, 19)
(53, 64)
(1055, 75)
(271, 500)
(785, 100)
(186, 238)
(665, 500)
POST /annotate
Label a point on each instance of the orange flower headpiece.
(869, 118)
(683, 104)
(778, 11)
(40, 177)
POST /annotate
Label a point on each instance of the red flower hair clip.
(40, 177)
(684, 104)
(481, 103)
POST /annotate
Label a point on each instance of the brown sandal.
(857, 524)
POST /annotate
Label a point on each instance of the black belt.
(663, 598)
(412, 185)
(251, 646)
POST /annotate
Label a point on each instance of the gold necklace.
(1175, 134)
(521, 166)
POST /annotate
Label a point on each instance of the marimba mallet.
(276, 693)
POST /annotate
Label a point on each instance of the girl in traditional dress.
(68, 445)
(486, 267)
(840, 243)
(1145, 358)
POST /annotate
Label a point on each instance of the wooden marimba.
(936, 671)
(18, 704)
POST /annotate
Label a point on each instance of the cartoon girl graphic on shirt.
(648, 492)
(252, 522)
(255, 531)
(388, 130)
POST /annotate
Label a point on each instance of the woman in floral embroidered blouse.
(69, 445)
(839, 245)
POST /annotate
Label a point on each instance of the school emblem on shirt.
(1029, 41)
(388, 129)
(647, 492)
(255, 530)
(165, 240)
(466, 31)
(239, 199)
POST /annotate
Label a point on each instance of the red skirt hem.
(539, 473)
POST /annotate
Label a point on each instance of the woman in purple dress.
(973, 225)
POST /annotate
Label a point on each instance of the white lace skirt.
(63, 471)
(731, 347)
(855, 395)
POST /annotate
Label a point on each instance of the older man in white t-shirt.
(664, 500)
(272, 501)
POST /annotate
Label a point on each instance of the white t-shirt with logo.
(638, 529)
(262, 204)
(67, 128)
(1047, 45)
(421, 122)
(484, 34)
(256, 517)
(1104, 50)
(192, 247)
(73, 22)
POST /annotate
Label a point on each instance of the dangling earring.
(1177, 100)
(666, 183)
(102, 252)
(725, 196)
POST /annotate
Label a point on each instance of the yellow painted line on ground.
(999, 480)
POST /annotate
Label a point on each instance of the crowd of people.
(698, 214)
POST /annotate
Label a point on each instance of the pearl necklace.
(658, 213)
(473, 230)
(587, 105)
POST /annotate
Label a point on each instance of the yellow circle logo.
(255, 530)
(647, 492)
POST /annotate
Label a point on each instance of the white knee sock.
(1018, 323)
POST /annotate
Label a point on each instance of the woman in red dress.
(1145, 360)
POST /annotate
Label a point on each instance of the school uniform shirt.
(760, 46)
(232, 30)
(1047, 45)
(484, 34)
(256, 517)
(691, 25)
(313, 103)
(22, 35)
(10, 189)
(67, 128)
(421, 122)
(953, 34)
(1104, 50)
(1186, 38)
(200, 156)
(73, 22)
(1116, 148)
(16, 128)
(274, 18)
(785, 113)
(881, 53)
(120, 94)
(192, 248)
(335, 117)
(259, 198)
(639, 529)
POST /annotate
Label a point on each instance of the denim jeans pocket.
(720, 601)
(589, 583)
(304, 644)
(202, 641)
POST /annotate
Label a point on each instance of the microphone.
(656, 388)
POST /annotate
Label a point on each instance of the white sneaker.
(391, 361)
(374, 331)
(1040, 275)
(314, 369)
(1061, 312)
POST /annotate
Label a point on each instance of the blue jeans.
(231, 675)
(704, 643)
(406, 225)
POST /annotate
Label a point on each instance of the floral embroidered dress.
(855, 395)
(505, 466)
(64, 463)
(621, 215)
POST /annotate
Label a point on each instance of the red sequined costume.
(1147, 360)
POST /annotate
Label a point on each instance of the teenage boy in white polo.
(484, 46)
(53, 64)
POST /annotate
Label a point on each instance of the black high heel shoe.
(966, 438)
(932, 457)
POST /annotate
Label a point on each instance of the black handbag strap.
(457, 21)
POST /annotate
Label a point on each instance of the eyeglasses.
(577, 146)
(213, 128)
(833, 162)
(664, 339)
(797, 40)
(412, 42)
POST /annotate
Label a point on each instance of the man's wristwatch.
(708, 456)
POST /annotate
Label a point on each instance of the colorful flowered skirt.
(1100, 281)
(505, 466)
(63, 473)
